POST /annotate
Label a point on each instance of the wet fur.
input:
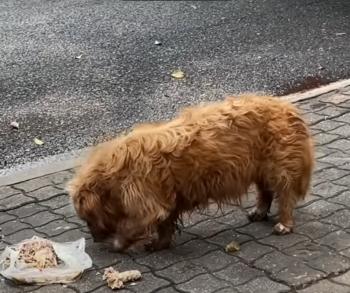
(142, 182)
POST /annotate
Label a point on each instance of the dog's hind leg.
(286, 203)
(263, 203)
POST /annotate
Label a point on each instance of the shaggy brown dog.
(135, 187)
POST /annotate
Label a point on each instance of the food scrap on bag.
(116, 280)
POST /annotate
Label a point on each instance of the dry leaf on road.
(38, 141)
(178, 74)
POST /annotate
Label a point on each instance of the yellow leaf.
(38, 141)
(178, 74)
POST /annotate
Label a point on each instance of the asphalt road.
(73, 72)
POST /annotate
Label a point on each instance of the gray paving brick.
(106, 289)
(344, 118)
(336, 98)
(321, 208)
(262, 284)
(22, 235)
(339, 240)
(250, 251)
(238, 273)
(324, 125)
(59, 177)
(328, 189)
(14, 201)
(340, 218)
(325, 286)
(12, 227)
(203, 284)
(332, 112)
(45, 193)
(274, 262)
(193, 248)
(56, 202)
(56, 227)
(70, 235)
(66, 211)
(226, 237)
(215, 260)
(40, 218)
(167, 290)
(27, 210)
(325, 138)
(192, 219)
(54, 289)
(6, 191)
(148, 284)
(284, 241)
(342, 131)
(316, 229)
(257, 229)
(7, 288)
(90, 280)
(340, 144)
(160, 260)
(5, 217)
(236, 218)
(33, 184)
(344, 181)
(181, 272)
(343, 279)
(319, 257)
(207, 228)
(314, 118)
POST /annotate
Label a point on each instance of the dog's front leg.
(165, 233)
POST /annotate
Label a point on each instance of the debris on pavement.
(41, 261)
(232, 247)
(158, 43)
(14, 125)
(178, 74)
(116, 280)
(38, 141)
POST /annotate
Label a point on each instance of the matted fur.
(142, 182)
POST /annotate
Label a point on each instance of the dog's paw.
(255, 215)
(280, 229)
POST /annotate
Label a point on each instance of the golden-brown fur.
(141, 183)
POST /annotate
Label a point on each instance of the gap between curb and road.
(72, 159)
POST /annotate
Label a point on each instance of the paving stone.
(54, 289)
(340, 144)
(297, 274)
(6, 287)
(343, 198)
(194, 218)
(12, 227)
(319, 257)
(262, 284)
(160, 260)
(214, 261)
(324, 125)
(181, 272)
(321, 208)
(194, 248)
(167, 290)
(339, 218)
(336, 98)
(274, 262)
(56, 202)
(45, 193)
(238, 273)
(283, 241)
(325, 286)
(339, 240)
(6, 191)
(342, 131)
(344, 118)
(59, 177)
(40, 218)
(313, 118)
(344, 181)
(236, 218)
(90, 280)
(148, 284)
(71, 235)
(67, 211)
(325, 138)
(343, 279)
(332, 112)
(33, 184)
(226, 237)
(207, 228)
(203, 284)
(250, 251)
(227, 290)
(22, 235)
(5, 217)
(56, 227)
(328, 189)
(257, 229)
(27, 210)
(106, 289)
(182, 237)
(316, 229)
(14, 201)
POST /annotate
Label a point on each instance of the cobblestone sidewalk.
(315, 259)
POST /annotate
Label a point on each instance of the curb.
(73, 159)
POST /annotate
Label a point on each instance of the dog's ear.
(146, 205)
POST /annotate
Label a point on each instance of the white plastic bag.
(73, 261)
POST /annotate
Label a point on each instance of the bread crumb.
(116, 280)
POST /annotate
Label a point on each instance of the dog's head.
(116, 207)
